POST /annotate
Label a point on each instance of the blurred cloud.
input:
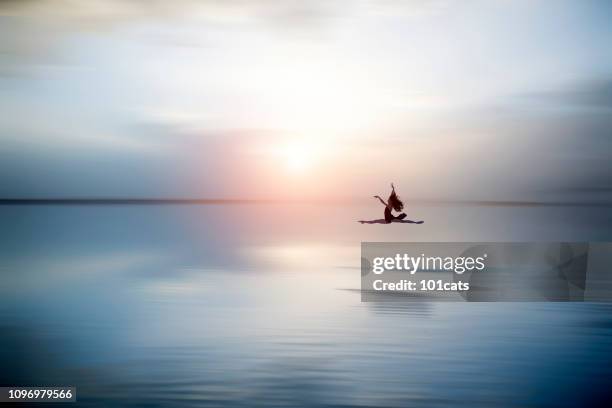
(30, 30)
(291, 11)
(595, 93)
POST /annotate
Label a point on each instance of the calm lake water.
(258, 305)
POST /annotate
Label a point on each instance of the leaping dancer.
(393, 203)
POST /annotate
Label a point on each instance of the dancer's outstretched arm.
(381, 200)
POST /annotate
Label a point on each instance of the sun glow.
(298, 156)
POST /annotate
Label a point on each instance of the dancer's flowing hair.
(395, 202)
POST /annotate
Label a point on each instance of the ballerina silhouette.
(393, 203)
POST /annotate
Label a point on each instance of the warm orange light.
(299, 157)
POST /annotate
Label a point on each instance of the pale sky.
(310, 99)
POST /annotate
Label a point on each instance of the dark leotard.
(389, 217)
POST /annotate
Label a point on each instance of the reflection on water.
(258, 306)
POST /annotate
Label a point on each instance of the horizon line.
(221, 201)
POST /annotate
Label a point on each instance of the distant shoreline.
(220, 201)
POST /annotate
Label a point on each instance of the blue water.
(257, 305)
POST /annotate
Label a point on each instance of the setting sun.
(298, 156)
